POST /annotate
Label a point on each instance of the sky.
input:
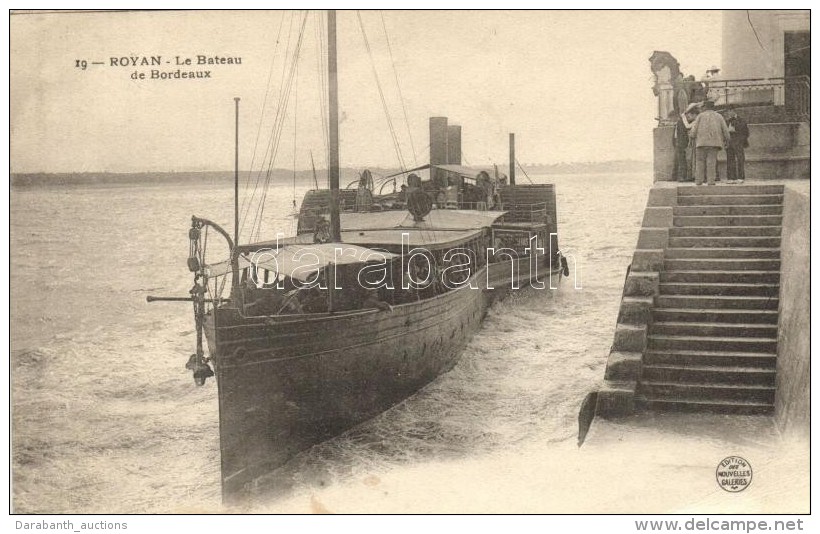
(572, 85)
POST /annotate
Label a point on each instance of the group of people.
(700, 133)
(687, 89)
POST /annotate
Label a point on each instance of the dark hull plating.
(289, 382)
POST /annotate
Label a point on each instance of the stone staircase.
(712, 338)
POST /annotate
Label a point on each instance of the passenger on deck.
(321, 232)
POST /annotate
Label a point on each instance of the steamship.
(374, 297)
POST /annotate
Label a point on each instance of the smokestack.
(454, 145)
(438, 148)
(512, 159)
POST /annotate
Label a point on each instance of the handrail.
(791, 92)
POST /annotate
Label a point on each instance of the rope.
(295, 117)
(525, 172)
(268, 144)
(292, 83)
(264, 105)
(278, 128)
(393, 136)
(398, 86)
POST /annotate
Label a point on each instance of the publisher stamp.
(734, 474)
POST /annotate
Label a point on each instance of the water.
(106, 419)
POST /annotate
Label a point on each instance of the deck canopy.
(385, 228)
(461, 170)
(301, 261)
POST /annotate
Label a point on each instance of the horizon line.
(349, 167)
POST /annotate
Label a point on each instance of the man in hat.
(683, 171)
(736, 150)
(712, 73)
(710, 134)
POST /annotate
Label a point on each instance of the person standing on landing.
(710, 134)
(736, 151)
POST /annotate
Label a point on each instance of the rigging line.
(285, 82)
(398, 85)
(323, 82)
(262, 166)
(313, 165)
(525, 172)
(267, 147)
(284, 85)
(264, 106)
(396, 145)
(295, 116)
(291, 79)
(749, 18)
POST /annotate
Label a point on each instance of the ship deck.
(440, 228)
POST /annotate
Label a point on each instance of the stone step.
(679, 391)
(723, 407)
(722, 289)
(733, 199)
(711, 358)
(730, 252)
(724, 242)
(704, 374)
(715, 316)
(721, 264)
(730, 189)
(727, 220)
(716, 302)
(703, 329)
(738, 209)
(718, 277)
(725, 231)
(712, 343)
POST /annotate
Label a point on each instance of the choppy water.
(106, 419)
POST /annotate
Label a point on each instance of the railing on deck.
(528, 213)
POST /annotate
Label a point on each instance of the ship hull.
(287, 385)
(289, 382)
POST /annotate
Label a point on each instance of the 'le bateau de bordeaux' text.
(195, 67)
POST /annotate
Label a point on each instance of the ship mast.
(333, 103)
(236, 175)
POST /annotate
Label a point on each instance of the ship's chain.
(198, 362)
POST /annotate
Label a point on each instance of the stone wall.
(793, 347)
(743, 55)
(616, 398)
(776, 151)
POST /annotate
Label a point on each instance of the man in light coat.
(710, 134)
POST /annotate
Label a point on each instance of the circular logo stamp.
(734, 474)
